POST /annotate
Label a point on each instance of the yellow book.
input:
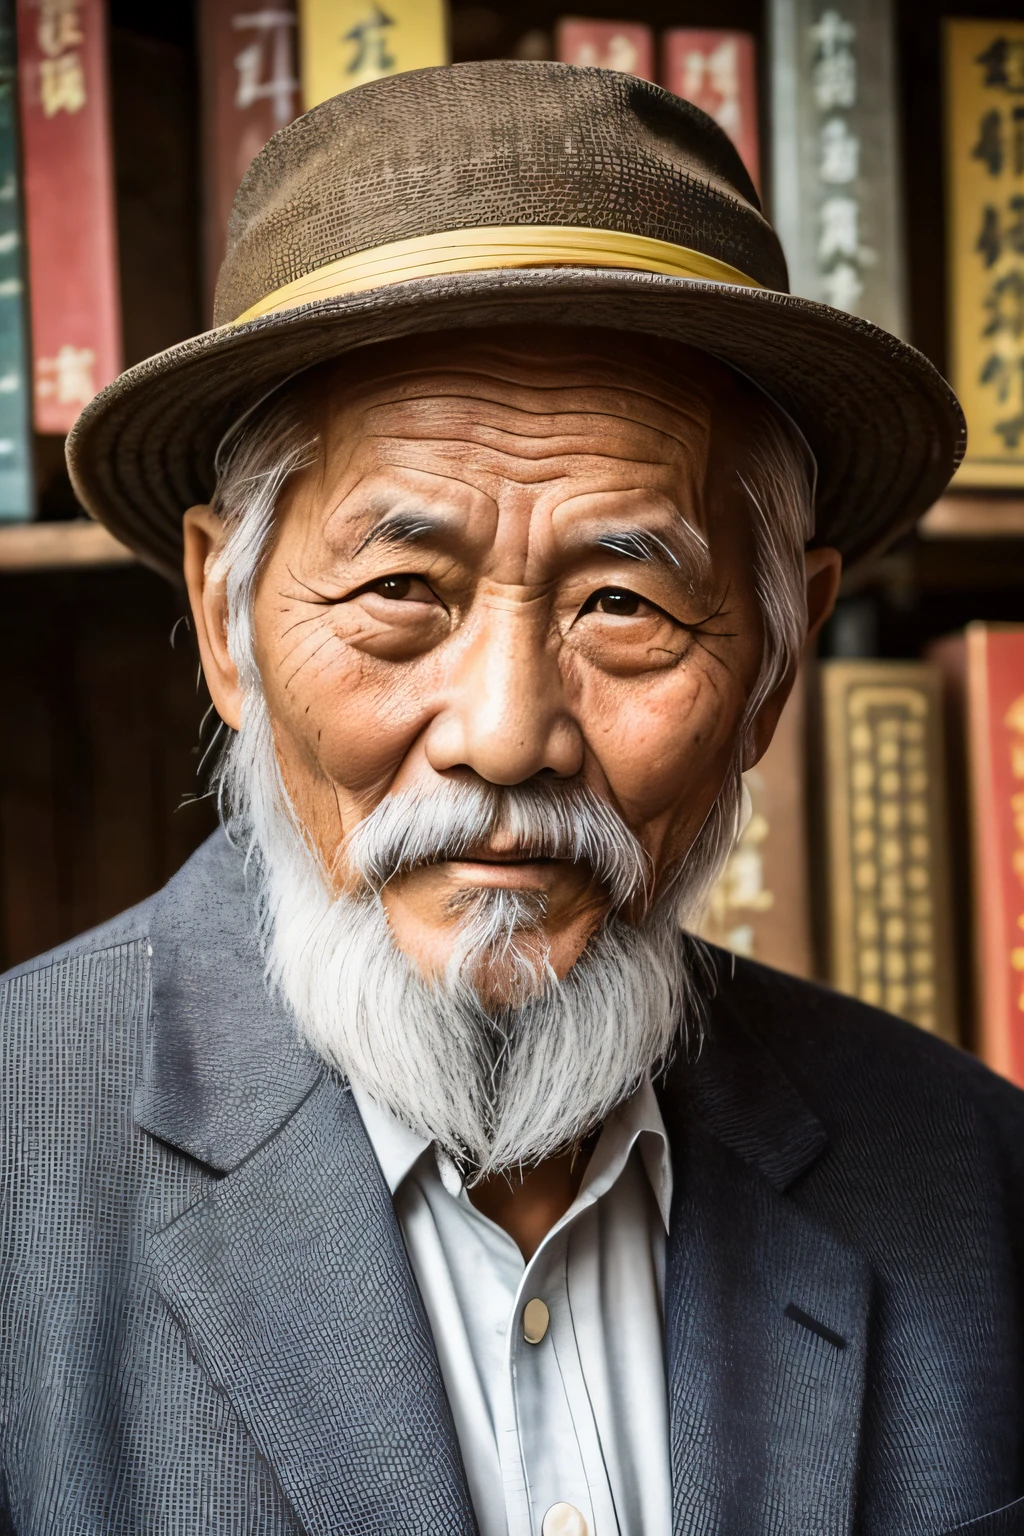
(886, 836)
(985, 202)
(343, 43)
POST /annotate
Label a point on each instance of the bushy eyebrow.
(684, 550)
(399, 528)
(642, 544)
(639, 544)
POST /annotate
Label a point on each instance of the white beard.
(498, 1089)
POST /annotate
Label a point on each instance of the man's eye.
(615, 600)
(401, 587)
(393, 586)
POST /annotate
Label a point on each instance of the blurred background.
(884, 849)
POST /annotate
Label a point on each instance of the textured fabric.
(550, 142)
(500, 143)
(183, 1349)
(580, 1417)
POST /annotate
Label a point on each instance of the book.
(836, 196)
(760, 906)
(885, 825)
(69, 205)
(984, 672)
(250, 89)
(717, 72)
(343, 43)
(15, 413)
(984, 81)
(627, 46)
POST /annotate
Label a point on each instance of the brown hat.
(512, 193)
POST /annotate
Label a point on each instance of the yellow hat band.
(494, 248)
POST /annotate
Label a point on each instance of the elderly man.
(404, 1166)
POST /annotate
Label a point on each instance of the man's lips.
(510, 868)
(499, 866)
(503, 856)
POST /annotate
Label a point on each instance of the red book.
(250, 89)
(995, 725)
(716, 71)
(624, 45)
(69, 205)
(984, 672)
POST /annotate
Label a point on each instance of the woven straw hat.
(512, 193)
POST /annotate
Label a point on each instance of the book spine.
(717, 72)
(995, 722)
(15, 416)
(622, 45)
(835, 170)
(343, 43)
(760, 905)
(69, 205)
(886, 829)
(250, 89)
(985, 240)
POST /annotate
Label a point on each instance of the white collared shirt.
(579, 1418)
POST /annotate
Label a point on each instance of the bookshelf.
(968, 516)
(59, 546)
(95, 624)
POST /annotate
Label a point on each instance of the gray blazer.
(208, 1322)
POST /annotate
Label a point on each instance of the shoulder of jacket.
(827, 1040)
(130, 926)
(214, 861)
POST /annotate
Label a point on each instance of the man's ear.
(207, 595)
(824, 567)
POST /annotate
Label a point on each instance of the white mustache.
(551, 819)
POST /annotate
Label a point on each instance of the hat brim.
(886, 430)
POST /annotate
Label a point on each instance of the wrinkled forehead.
(632, 393)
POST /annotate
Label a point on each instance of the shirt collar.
(396, 1147)
(637, 1122)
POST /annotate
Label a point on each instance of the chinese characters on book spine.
(835, 188)
(985, 173)
(15, 419)
(69, 205)
(250, 90)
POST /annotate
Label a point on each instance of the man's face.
(496, 569)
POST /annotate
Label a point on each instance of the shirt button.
(536, 1318)
(563, 1520)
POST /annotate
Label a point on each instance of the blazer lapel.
(290, 1279)
(766, 1312)
(292, 1286)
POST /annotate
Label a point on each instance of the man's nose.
(505, 714)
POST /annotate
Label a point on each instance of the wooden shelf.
(974, 517)
(55, 546)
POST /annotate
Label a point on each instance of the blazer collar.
(738, 1090)
(767, 1311)
(222, 1066)
(289, 1277)
(291, 1283)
